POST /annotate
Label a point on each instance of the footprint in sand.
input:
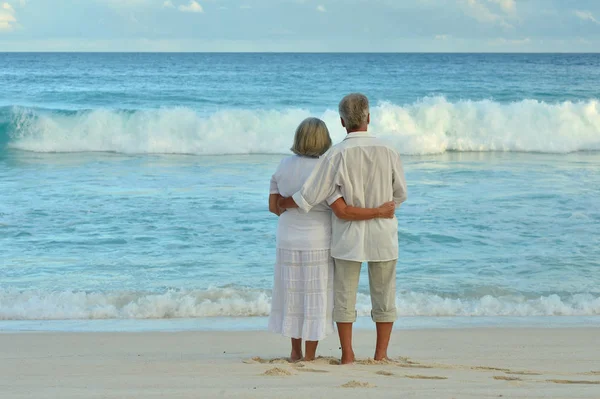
(415, 366)
(309, 370)
(277, 372)
(574, 382)
(408, 363)
(383, 372)
(485, 368)
(523, 373)
(506, 378)
(592, 373)
(357, 384)
(255, 360)
(373, 362)
(277, 360)
(321, 361)
(280, 360)
(426, 377)
(332, 361)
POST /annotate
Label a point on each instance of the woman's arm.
(273, 207)
(286, 202)
(345, 212)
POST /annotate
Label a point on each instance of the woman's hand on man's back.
(387, 210)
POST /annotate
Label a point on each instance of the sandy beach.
(435, 363)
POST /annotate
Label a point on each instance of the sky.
(301, 25)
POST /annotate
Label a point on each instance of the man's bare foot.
(380, 357)
(308, 358)
(347, 358)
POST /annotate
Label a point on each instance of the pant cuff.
(344, 317)
(384, 317)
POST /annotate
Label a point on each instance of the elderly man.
(366, 172)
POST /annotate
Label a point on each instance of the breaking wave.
(239, 302)
(430, 126)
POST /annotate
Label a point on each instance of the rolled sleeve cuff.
(274, 191)
(334, 198)
(301, 202)
(399, 200)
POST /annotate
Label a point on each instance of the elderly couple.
(319, 256)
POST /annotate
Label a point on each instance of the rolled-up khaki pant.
(382, 284)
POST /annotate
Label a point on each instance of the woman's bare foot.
(310, 350)
(295, 356)
(380, 357)
(347, 358)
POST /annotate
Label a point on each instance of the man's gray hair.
(354, 110)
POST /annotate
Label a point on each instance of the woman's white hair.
(354, 110)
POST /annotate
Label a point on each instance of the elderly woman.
(302, 300)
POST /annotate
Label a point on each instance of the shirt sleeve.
(273, 189)
(320, 186)
(336, 195)
(398, 180)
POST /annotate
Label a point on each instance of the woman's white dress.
(302, 300)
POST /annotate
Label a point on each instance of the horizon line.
(290, 52)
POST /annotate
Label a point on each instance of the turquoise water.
(134, 186)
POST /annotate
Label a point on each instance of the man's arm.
(320, 185)
(345, 212)
(398, 180)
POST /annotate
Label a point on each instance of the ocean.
(133, 187)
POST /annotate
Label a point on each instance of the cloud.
(583, 41)
(513, 42)
(193, 6)
(119, 4)
(7, 18)
(321, 8)
(508, 6)
(586, 16)
(442, 37)
(168, 4)
(479, 11)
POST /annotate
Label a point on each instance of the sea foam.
(430, 126)
(241, 302)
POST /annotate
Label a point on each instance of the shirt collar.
(355, 135)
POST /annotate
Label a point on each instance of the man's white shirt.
(367, 172)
